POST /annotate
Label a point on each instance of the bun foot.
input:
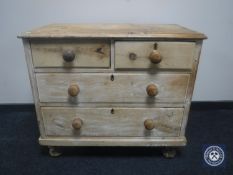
(54, 151)
(169, 153)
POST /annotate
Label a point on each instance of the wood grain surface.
(125, 88)
(103, 122)
(114, 141)
(175, 55)
(112, 64)
(88, 54)
(160, 31)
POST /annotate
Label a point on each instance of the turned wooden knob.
(152, 90)
(132, 56)
(77, 123)
(149, 124)
(68, 55)
(73, 90)
(155, 57)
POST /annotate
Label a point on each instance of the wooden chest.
(112, 84)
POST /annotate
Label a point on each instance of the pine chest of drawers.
(112, 84)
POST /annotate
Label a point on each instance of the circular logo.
(214, 155)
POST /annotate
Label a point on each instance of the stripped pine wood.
(123, 88)
(106, 104)
(175, 55)
(191, 86)
(28, 56)
(116, 141)
(88, 54)
(114, 122)
(112, 84)
(111, 70)
(161, 31)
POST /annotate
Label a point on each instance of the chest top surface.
(158, 31)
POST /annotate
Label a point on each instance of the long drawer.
(70, 54)
(136, 55)
(112, 88)
(128, 122)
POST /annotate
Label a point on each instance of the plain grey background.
(212, 17)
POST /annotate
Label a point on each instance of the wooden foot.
(169, 153)
(54, 151)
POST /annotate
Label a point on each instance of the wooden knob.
(73, 90)
(155, 57)
(149, 124)
(132, 56)
(77, 123)
(68, 55)
(152, 90)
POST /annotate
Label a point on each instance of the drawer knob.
(152, 90)
(155, 57)
(132, 56)
(73, 90)
(149, 124)
(68, 55)
(77, 123)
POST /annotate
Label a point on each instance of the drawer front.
(111, 88)
(71, 54)
(59, 121)
(136, 55)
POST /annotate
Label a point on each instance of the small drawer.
(70, 54)
(154, 55)
(112, 88)
(107, 122)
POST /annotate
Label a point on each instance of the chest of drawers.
(112, 84)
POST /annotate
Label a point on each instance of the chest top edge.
(114, 31)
